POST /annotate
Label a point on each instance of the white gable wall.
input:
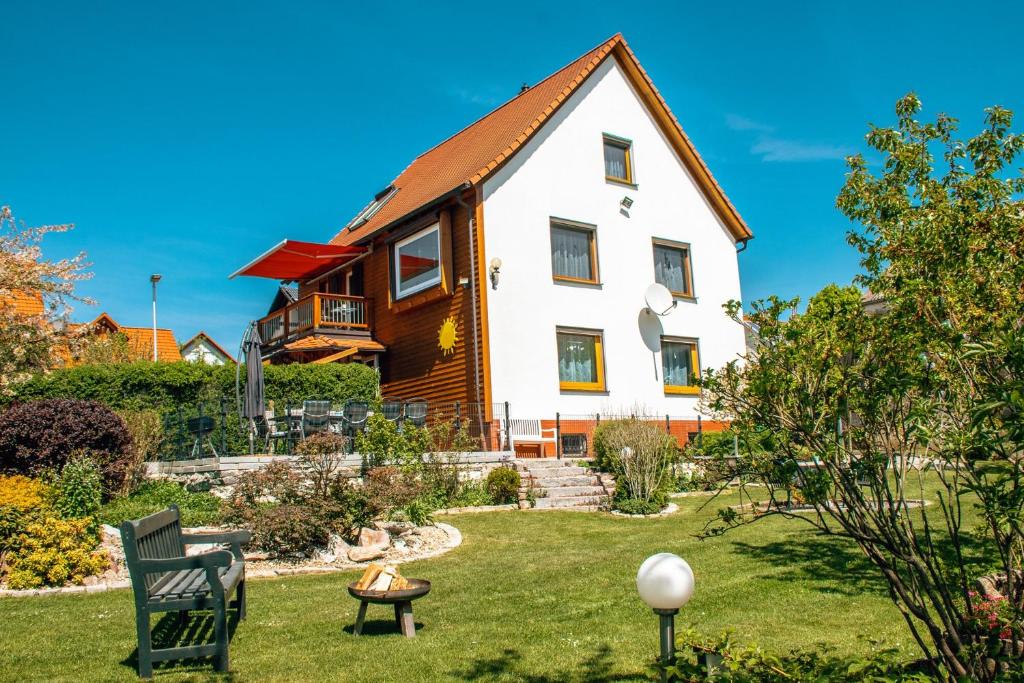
(201, 351)
(560, 173)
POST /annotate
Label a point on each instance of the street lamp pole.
(154, 278)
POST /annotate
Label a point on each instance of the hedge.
(165, 386)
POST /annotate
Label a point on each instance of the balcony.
(336, 315)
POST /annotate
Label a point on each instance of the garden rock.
(374, 538)
(365, 554)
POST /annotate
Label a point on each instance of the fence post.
(180, 449)
(700, 432)
(668, 425)
(288, 425)
(558, 436)
(458, 416)
(223, 427)
(508, 426)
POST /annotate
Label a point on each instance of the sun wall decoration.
(447, 336)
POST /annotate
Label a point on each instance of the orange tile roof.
(25, 303)
(318, 342)
(140, 339)
(473, 153)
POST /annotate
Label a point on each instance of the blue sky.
(186, 138)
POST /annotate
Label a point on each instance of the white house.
(203, 349)
(590, 211)
(509, 262)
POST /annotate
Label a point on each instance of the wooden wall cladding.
(414, 364)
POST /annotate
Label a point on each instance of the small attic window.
(379, 200)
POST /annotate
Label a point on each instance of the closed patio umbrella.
(252, 402)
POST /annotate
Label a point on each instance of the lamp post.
(665, 582)
(154, 278)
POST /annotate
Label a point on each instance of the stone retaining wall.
(206, 473)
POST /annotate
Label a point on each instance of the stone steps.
(559, 484)
(569, 502)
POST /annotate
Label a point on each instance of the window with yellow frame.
(680, 366)
(580, 360)
(618, 159)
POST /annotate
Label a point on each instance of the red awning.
(294, 260)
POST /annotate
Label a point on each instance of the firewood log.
(369, 576)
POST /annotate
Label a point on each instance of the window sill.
(682, 391)
(689, 298)
(576, 282)
(582, 387)
(435, 293)
(621, 182)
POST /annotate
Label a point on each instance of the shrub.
(197, 509)
(21, 498)
(42, 435)
(636, 506)
(383, 444)
(53, 552)
(639, 453)
(318, 455)
(288, 516)
(147, 431)
(389, 489)
(503, 485)
(472, 494)
(79, 488)
(164, 386)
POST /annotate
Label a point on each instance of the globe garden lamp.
(665, 582)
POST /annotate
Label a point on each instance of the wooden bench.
(522, 432)
(165, 580)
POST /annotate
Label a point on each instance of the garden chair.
(316, 417)
(353, 417)
(276, 430)
(416, 412)
(391, 409)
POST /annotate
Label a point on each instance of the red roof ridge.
(512, 99)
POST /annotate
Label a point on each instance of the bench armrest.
(236, 539)
(207, 560)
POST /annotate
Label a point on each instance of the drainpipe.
(472, 286)
(744, 246)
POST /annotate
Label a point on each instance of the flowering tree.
(32, 340)
(870, 411)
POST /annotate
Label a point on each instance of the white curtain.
(614, 161)
(570, 253)
(676, 365)
(577, 358)
(670, 268)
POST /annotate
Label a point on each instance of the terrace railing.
(316, 312)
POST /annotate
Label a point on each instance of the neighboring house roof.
(475, 152)
(202, 336)
(140, 339)
(284, 295)
(25, 303)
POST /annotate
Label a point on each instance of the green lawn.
(536, 596)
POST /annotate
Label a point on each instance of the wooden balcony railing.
(316, 313)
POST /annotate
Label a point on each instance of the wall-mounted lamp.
(495, 272)
(627, 202)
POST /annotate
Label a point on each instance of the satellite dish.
(659, 300)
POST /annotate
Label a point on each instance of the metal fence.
(213, 428)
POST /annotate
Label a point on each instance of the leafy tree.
(858, 403)
(31, 343)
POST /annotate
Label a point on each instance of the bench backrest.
(153, 537)
(519, 427)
